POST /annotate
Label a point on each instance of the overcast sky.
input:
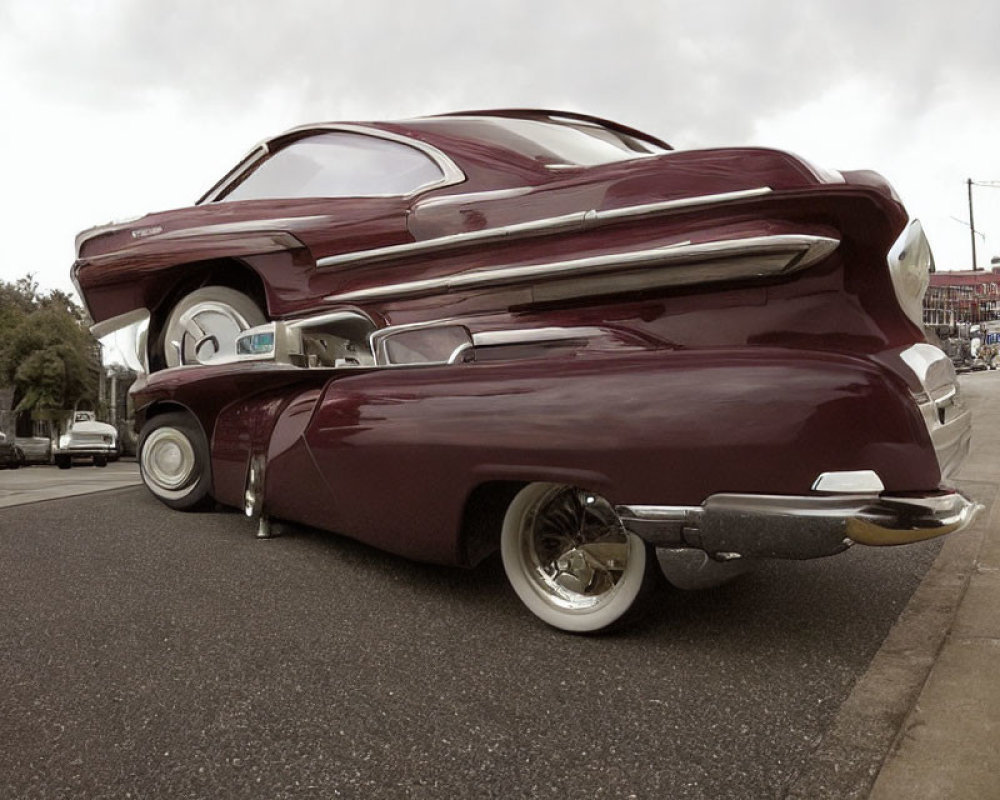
(112, 108)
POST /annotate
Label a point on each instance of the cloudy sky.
(113, 108)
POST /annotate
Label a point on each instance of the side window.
(339, 164)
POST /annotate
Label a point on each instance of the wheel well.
(187, 278)
(159, 408)
(482, 519)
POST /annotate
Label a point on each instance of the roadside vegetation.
(47, 354)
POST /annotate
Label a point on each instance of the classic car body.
(579, 357)
(36, 449)
(502, 210)
(11, 456)
(86, 439)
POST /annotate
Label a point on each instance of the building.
(957, 298)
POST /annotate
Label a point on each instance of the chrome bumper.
(948, 420)
(87, 450)
(729, 526)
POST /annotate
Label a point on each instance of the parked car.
(36, 449)
(545, 335)
(87, 439)
(11, 456)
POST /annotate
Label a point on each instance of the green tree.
(17, 300)
(46, 352)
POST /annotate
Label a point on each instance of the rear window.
(558, 141)
(339, 164)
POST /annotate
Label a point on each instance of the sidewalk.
(949, 744)
(37, 483)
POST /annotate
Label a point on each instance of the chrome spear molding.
(675, 265)
(542, 227)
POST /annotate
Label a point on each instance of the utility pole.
(972, 225)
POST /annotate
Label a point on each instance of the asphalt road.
(149, 653)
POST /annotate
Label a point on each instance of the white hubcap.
(207, 332)
(168, 460)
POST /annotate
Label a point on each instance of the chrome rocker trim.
(731, 526)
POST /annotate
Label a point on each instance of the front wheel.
(570, 560)
(174, 461)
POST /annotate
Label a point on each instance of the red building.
(969, 297)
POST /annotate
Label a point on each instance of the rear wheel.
(64, 461)
(202, 328)
(174, 461)
(570, 560)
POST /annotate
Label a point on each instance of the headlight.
(64, 441)
(910, 265)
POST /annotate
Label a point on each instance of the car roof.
(455, 137)
(445, 129)
(551, 115)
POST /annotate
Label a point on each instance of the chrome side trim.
(480, 339)
(459, 352)
(114, 226)
(542, 227)
(532, 336)
(256, 154)
(471, 197)
(854, 482)
(753, 257)
(280, 225)
(548, 226)
(377, 338)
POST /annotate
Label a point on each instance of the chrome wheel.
(569, 558)
(203, 327)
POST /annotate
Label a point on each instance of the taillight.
(910, 264)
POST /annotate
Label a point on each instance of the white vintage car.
(87, 438)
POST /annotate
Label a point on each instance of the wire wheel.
(570, 560)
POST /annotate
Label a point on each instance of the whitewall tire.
(174, 461)
(570, 560)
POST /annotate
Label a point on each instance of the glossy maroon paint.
(751, 386)
(277, 242)
(368, 453)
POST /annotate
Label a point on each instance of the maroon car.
(546, 334)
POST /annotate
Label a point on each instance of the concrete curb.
(847, 762)
(949, 745)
